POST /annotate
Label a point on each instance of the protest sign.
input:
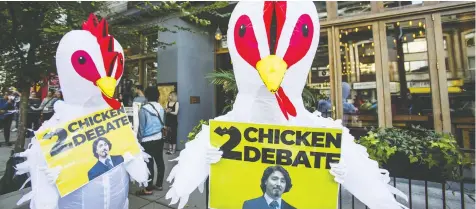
(261, 162)
(87, 147)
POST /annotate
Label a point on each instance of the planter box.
(399, 166)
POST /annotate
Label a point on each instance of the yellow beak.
(271, 70)
(107, 86)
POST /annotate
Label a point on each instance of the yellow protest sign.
(266, 163)
(87, 147)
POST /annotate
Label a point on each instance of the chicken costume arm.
(363, 178)
(136, 167)
(192, 170)
(44, 194)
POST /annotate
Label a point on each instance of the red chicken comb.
(109, 56)
(106, 44)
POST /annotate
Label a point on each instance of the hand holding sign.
(213, 155)
(52, 174)
(339, 171)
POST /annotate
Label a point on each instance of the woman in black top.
(171, 121)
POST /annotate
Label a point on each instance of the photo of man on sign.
(270, 156)
(274, 183)
(83, 148)
(106, 162)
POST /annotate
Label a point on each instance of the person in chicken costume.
(270, 76)
(90, 64)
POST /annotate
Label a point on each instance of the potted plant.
(416, 153)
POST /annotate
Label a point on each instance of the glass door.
(410, 73)
(455, 35)
(358, 77)
(321, 78)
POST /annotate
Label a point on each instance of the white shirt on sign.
(103, 160)
(269, 200)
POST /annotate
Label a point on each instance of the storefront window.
(347, 8)
(320, 77)
(410, 87)
(321, 9)
(458, 33)
(359, 86)
(396, 4)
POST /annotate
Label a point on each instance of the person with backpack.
(151, 123)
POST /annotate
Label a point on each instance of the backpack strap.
(158, 114)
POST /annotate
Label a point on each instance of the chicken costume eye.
(84, 65)
(81, 60)
(301, 40)
(242, 30)
(305, 30)
(245, 40)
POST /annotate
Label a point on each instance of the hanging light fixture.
(218, 34)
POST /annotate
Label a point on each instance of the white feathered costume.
(270, 78)
(89, 63)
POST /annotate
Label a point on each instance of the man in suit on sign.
(274, 183)
(101, 148)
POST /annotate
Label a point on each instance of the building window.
(348, 8)
(410, 86)
(321, 9)
(320, 77)
(458, 32)
(398, 4)
(359, 86)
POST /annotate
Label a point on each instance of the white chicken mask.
(90, 63)
(264, 69)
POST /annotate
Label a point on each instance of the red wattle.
(288, 105)
(281, 105)
(112, 102)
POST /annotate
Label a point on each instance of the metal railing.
(452, 194)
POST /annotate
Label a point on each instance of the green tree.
(32, 30)
(30, 34)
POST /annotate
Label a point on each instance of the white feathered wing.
(363, 179)
(192, 170)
